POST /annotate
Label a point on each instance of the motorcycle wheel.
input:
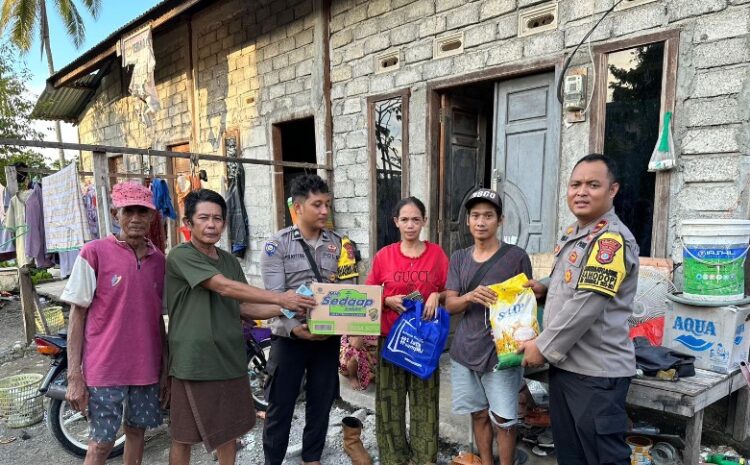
(257, 375)
(71, 429)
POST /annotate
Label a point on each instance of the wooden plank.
(741, 414)
(28, 303)
(101, 181)
(691, 453)
(116, 151)
(661, 400)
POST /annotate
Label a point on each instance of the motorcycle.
(70, 427)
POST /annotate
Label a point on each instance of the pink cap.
(127, 194)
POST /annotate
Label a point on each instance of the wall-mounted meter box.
(574, 90)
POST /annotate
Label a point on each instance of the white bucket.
(714, 254)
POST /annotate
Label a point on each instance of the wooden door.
(526, 160)
(462, 168)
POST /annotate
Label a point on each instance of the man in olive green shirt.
(211, 401)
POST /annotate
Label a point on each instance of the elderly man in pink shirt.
(116, 336)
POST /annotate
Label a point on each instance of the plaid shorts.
(142, 410)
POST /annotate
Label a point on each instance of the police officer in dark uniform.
(585, 337)
(294, 256)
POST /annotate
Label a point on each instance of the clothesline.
(116, 151)
(89, 173)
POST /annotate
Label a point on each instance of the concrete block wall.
(253, 68)
(712, 123)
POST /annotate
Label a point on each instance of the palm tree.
(25, 18)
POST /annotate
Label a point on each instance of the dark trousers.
(588, 418)
(289, 361)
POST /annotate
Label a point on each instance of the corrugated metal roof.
(66, 103)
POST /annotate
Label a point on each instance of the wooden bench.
(688, 398)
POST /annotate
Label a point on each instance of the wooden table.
(688, 398)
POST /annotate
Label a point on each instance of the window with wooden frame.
(635, 86)
(388, 135)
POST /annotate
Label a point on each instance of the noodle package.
(513, 319)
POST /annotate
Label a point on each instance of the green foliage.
(25, 18)
(15, 108)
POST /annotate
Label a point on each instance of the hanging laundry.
(224, 241)
(92, 216)
(35, 240)
(237, 215)
(162, 200)
(7, 241)
(67, 260)
(15, 220)
(185, 185)
(65, 223)
(156, 233)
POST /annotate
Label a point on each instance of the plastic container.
(639, 450)
(714, 254)
(20, 400)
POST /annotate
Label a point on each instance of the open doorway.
(293, 141)
(503, 135)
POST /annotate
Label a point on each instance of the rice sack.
(513, 319)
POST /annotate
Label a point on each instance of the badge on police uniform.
(605, 268)
(271, 247)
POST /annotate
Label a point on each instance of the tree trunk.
(51, 68)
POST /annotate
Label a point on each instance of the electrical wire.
(572, 54)
(593, 79)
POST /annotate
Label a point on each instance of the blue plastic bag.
(414, 344)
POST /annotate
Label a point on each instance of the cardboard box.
(346, 309)
(718, 337)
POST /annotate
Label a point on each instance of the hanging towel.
(15, 220)
(65, 222)
(237, 215)
(35, 240)
(162, 200)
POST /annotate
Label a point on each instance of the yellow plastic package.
(513, 319)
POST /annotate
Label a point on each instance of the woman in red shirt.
(402, 268)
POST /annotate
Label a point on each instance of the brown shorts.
(211, 412)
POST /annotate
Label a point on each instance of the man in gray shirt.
(585, 337)
(491, 397)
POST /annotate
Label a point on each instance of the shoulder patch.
(605, 268)
(271, 247)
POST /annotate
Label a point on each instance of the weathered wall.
(253, 66)
(712, 127)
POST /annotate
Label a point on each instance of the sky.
(113, 15)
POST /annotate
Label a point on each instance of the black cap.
(484, 195)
